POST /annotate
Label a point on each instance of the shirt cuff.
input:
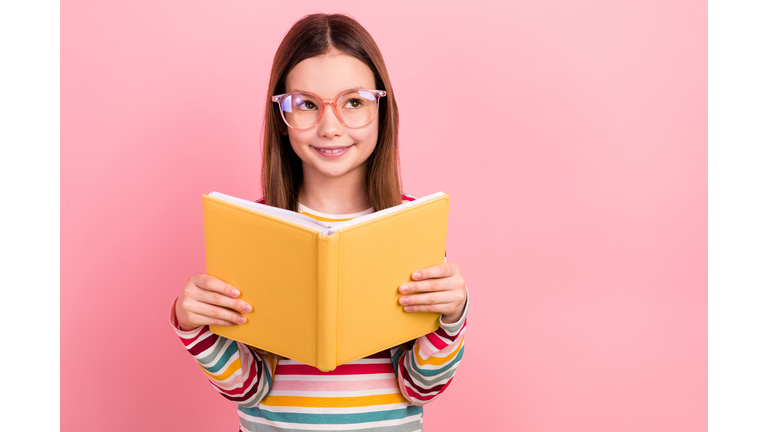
(174, 322)
(454, 327)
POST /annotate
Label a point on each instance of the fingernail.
(241, 320)
(235, 293)
(416, 275)
(246, 307)
(404, 300)
(408, 308)
(404, 289)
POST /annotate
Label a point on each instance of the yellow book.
(323, 296)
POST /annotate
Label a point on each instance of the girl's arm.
(425, 370)
(237, 371)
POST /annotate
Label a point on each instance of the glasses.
(354, 108)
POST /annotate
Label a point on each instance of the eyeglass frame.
(279, 99)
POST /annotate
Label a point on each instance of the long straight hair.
(281, 170)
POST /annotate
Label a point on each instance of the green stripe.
(231, 350)
(297, 419)
(216, 348)
(432, 372)
(310, 418)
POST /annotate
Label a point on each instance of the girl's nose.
(329, 125)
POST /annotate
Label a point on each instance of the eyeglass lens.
(302, 110)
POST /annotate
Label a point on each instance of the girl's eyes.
(353, 103)
(304, 104)
(307, 105)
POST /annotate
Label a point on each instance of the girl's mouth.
(332, 152)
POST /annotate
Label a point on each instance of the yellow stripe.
(227, 373)
(436, 361)
(322, 219)
(335, 402)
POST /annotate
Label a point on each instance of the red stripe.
(190, 341)
(379, 355)
(347, 369)
(407, 377)
(415, 395)
(436, 341)
(185, 339)
(204, 344)
(442, 333)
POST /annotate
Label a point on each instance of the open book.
(323, 296)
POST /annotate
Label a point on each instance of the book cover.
(323, 297)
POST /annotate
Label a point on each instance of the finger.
(215, 312)
(431, 299)
(438, 308)
(212, 283)
(436, 271)
(218, 299)
(429, 285)
(215, 291)
(200, 320)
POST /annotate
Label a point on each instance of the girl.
(330, 152)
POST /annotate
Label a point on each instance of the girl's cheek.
(299, 143)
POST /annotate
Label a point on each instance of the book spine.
(327, 293)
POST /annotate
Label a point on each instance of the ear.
(282, 128)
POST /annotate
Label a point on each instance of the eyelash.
(360, 102)
(304, 104)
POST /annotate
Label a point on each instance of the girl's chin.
(335, 171)
(335, 174)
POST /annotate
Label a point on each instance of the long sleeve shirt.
(382, 392)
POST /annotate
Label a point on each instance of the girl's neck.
(334, 196)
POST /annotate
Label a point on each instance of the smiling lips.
(332, 152)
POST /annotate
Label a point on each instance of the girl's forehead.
(329, 74)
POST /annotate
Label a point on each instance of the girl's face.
(327, 76)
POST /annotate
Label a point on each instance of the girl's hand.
(208, 300)
(444, 290)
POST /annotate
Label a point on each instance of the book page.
(380, 213)
(286, 215)
(308, 222)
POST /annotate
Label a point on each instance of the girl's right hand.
(208, 300)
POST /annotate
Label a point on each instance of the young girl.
(330, 152)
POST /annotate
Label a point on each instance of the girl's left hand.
(443, 288)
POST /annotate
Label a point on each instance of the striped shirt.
(380, 393)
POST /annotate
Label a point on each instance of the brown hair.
(281, 170)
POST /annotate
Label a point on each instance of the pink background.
(570, 135)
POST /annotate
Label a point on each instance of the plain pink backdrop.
(572, 137)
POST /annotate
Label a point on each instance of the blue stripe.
(231, 350)
(268, 373)
(395, 357)
(304, 418)
(220, 342)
